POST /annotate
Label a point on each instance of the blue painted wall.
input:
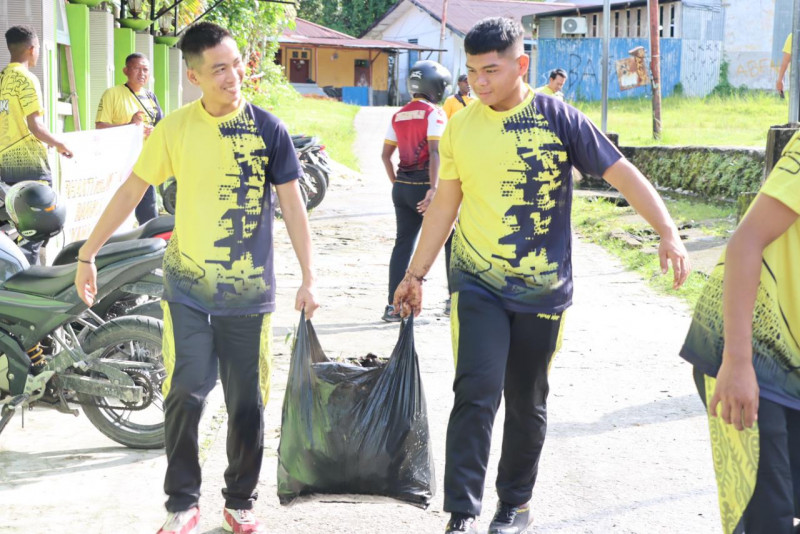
(582, 59)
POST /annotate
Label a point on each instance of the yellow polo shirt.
(118, 104)
(452, 105)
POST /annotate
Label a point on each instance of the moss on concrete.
(710, 172)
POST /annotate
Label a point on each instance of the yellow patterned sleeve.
(783, 183)
(31, 96)
(787, 46)
(154, 165)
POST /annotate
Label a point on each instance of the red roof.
(309, 33)
(306, 28)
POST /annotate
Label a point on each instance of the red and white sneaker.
(184, 522)
(241, 522)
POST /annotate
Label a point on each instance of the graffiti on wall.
(582, 59)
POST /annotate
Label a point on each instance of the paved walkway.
(627, 448)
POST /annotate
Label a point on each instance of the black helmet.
(430, 79)
(34, 209)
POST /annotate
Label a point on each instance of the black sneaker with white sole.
(511, 519)
(389, 315)
(461, 523)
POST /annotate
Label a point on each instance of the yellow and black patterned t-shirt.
(513, 235)
(22, 156)
(776, 317)
(219, 259)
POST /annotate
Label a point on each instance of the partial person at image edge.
(24, 138)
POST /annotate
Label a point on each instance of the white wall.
(417, 24)
(748, 43)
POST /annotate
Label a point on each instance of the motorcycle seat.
(153, 227)
(50, 281)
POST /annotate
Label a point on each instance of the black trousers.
(776, 496)
(147, 208)
(498, 353)
(409, 221)
(196, 345)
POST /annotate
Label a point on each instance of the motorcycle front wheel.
(134, 339)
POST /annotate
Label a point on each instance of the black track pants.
(498, 353)
(197, 348)
(409, 221)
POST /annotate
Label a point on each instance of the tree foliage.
(349, 16)
(255, 26)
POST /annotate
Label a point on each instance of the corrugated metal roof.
(306, 28)
(463, 14)
(309, 33)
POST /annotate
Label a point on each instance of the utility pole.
(794, 73)
(443, 31)
(655, 67)
(606, 37)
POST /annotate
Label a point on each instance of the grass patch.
(740, 120)
(331, 121)
(601, 222)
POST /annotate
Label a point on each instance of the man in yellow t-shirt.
(787, 57)
(556, 82)
(505, 173)
(132, 103)
(226, 155)
(460, 100)
(23, 135)
(744, 343)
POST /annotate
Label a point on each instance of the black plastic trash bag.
(352, 429)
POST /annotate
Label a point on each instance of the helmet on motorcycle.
(34, 209)
(430, 79)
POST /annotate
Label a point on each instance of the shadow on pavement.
(20, 468)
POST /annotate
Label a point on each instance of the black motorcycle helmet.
(430, 79)
(34, 210)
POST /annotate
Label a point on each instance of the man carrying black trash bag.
(506, 163)
(355, 430)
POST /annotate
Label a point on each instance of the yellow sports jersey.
(513, 236)
(119, 103)
(22, 156)
(787, 45)
(219, 259)
(452, 104)
(776, 319)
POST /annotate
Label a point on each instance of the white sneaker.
(183, 522)
(241, 522)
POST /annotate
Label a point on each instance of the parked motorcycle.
(114, 373)
(142, 296)
(310, 151)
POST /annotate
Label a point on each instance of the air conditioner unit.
(574, 25)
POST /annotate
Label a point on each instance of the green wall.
(161, 75)
(124, 45)
(78, 22)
